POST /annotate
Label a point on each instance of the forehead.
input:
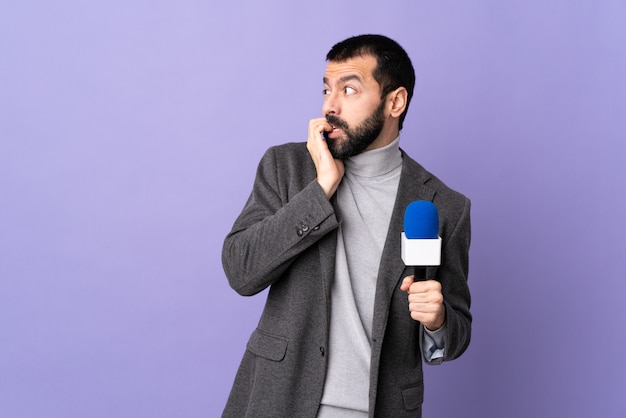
(361, 66)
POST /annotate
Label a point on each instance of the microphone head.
(421, 220)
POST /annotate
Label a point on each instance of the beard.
(355, 140)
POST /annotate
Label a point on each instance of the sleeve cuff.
(433, 343)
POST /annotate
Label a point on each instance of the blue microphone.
(421, 244)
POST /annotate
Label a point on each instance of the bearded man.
(346, 328)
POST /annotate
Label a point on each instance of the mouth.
(334, 132)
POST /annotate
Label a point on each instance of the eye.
(326, 92)
(349, 91)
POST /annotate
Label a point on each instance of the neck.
(377, 162)
(389, 133)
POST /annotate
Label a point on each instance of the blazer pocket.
(413, 397)
(271, 347)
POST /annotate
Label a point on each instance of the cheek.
(360, 118)
(355, 115)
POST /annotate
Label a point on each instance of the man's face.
(352, 105)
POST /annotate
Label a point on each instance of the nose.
(331, 104)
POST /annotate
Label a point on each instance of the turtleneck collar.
(375, 162)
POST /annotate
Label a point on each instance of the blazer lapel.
(412, 187)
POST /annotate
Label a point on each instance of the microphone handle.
(419, 272)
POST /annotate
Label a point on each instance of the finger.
(317, 127)
(425, 286)
(434, 298)
(424, 307)
(316, 144)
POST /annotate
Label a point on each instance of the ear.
(397, 101)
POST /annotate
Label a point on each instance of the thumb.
(406, 283)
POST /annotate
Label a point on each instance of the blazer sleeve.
(453, 274)
(286, 213)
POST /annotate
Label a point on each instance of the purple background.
(130, 133)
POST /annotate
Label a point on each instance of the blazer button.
(322, 351)
(305, 228)
(299, 232)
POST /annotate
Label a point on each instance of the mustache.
(337, 122)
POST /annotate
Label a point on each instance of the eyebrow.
(346, 78)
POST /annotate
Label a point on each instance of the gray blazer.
(285, 238)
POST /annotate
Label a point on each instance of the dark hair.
(393, 68)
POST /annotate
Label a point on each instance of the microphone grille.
(421, 220)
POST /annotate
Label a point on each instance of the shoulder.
(289, 156)
(292, 151)
(290, 162)
(444, 196)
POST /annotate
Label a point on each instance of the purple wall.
(129, 137)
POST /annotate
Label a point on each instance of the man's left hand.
(425, 302)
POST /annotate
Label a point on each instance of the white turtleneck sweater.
(365, 200)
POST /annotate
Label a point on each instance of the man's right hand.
(329, 170)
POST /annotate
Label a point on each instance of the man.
(339, 337)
